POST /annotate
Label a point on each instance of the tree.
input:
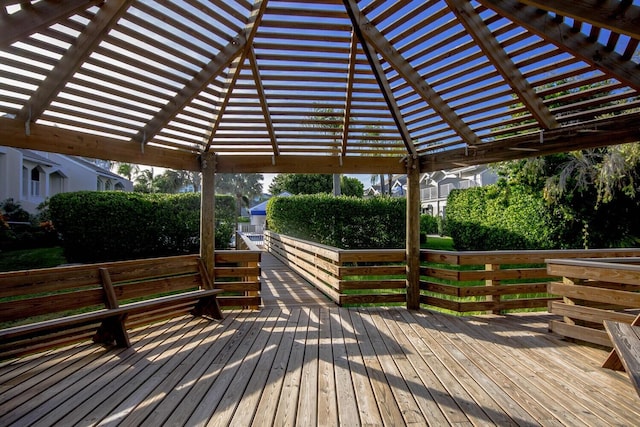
(171, 181)
(128, 170)
(331, 121)
(145, 182)
(243, 186)
(314, 184)
(591, 193)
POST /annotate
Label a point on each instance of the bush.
(428, 224)
(110, 226)
(343, 222)
(21, 230)
(499, 217)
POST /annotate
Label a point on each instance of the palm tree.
(128, 170)
(145, 181)
(331, 121)
(243, 186)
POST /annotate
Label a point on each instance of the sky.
(268, 177)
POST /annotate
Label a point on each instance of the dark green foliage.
(107, 226)
(428, 224)
(20, 230)
(314, 184)
(499, 217)
(343, 222)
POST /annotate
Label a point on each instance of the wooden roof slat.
(561, 35)
(106, 17)
(499, 58)
(615, 15)
(38, 16)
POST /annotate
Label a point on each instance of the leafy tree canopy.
(314, 184)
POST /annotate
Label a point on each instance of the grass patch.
(28, 259)
(438, 243)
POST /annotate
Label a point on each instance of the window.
(35, 182)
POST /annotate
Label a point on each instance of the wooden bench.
(41, 309)
(626, 349)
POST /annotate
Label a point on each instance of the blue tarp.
(261, 209)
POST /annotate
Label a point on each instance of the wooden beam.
(597, 133)
(380, 76)
(353, 49)
(618, 16)
(192, 88)
(404, 68)
(236, 66)
(262, 98)
(413, 233)
(57, 140)
(37, 17)
(309, 164)
(207, 212)
(70, 63)
(561, 35)
(486, 41)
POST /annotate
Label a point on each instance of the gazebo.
(312, 86)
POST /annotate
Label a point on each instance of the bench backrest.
(54, 292)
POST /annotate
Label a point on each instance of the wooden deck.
(323, 365)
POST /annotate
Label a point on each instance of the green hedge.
(499, 217)
(109, 226)
(429, 224)
(342, 222)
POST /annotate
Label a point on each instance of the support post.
(207, 212)
(413, 233)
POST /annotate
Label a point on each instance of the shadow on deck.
(301, 360)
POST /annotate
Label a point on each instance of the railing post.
(493, 282)
(413, 234)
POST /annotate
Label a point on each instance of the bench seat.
(626, 344)
(160, 288)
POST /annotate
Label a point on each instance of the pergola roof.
(318, 86)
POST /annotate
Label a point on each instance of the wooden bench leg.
(113, 330)
(613, 360)
(208, 306)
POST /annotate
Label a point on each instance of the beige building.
(30, 177)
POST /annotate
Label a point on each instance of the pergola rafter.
(499, 58)
(562, 35)
(249, 77)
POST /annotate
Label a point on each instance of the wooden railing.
(238, 274)
(594, 290)
(494, 281)
(346, 276)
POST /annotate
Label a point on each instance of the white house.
(436, 186)
(30, 177)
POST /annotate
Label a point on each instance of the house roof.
(37, 158)
(318, 86)
(98, 169)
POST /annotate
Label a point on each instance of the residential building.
(30, 177)
(436, 186)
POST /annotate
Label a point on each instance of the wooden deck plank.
(389, 410)
(307, 412)
(254, 390)
(223, 370)
(170, 385)
(365, 398)
(564, 382)
(271, 393)
(82, 383)
(388, 353)
(325, 366)
(345, 393)
(327, 397)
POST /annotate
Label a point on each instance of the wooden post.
(413, 234)
(207, 212)
(493, 282)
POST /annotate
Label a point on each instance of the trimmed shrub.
(499, 217)
(428, 224)
(342, 222)
(110, 226)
